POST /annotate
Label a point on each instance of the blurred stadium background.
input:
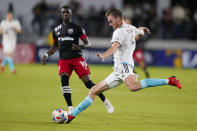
(173, 24)
(28, 98)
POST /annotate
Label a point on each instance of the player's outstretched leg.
(3, 64)
(11, 64)
(89, 84)
(145, 83)
(82, 106)
(98, 88)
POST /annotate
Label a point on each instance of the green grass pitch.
(28, 98)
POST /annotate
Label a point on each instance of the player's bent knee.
(133, 88)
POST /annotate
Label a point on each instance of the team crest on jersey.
(70, 31)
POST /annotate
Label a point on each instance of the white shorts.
(8, 49)
(119, 75)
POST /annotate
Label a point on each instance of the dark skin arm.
(77, 47)
(50, 52)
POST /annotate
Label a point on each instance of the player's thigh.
(64, 67)
(98, 88)
(113, 80)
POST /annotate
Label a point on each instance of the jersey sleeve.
(82, 33)
(136, 31)
(18, 25)
(1, 25)
(118, 37)
(55, 40)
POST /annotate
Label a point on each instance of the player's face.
(66, 14)
(113, 22)
(9, 16)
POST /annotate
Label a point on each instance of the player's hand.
(75, 47)
(3, 31)
(43, 60)
(145, 29)
(101, 57)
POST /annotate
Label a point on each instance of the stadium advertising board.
(189, 59)
(24, 53)
(28, 53)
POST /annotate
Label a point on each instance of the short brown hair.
(114, 12)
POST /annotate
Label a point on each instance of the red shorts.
(138, 55)
(78, 64)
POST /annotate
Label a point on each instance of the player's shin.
(4, 62)
(89, 84)
(146, 72)
(82, 106)
(66, 89)
(145, 83)
(10, 63)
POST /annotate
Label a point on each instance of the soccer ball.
(59, 116)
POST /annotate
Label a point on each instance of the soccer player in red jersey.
(66, 38)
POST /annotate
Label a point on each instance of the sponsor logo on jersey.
(70, 31)
(65, 38)
(58, 27)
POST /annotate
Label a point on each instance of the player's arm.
(110, 51)
(51, 50)
(17, 28)
(78, 47)
(141, 31)
(84, 38)
(1, 29)
(18, 31)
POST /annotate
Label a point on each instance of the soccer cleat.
(70, 118)
(108, 105)
(2, 69)
(14, 72)
(174, 82)
(70, 108)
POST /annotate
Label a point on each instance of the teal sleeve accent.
(82, 106)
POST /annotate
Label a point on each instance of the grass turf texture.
(28, 98)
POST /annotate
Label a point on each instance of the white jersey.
(10, 36)
(123, 57)
(125, 36)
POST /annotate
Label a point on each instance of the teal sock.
(82, 106)
(4, 61)
(10, 63)
(145, 83)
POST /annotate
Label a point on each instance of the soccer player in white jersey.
(123, 45)
(9, 28)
